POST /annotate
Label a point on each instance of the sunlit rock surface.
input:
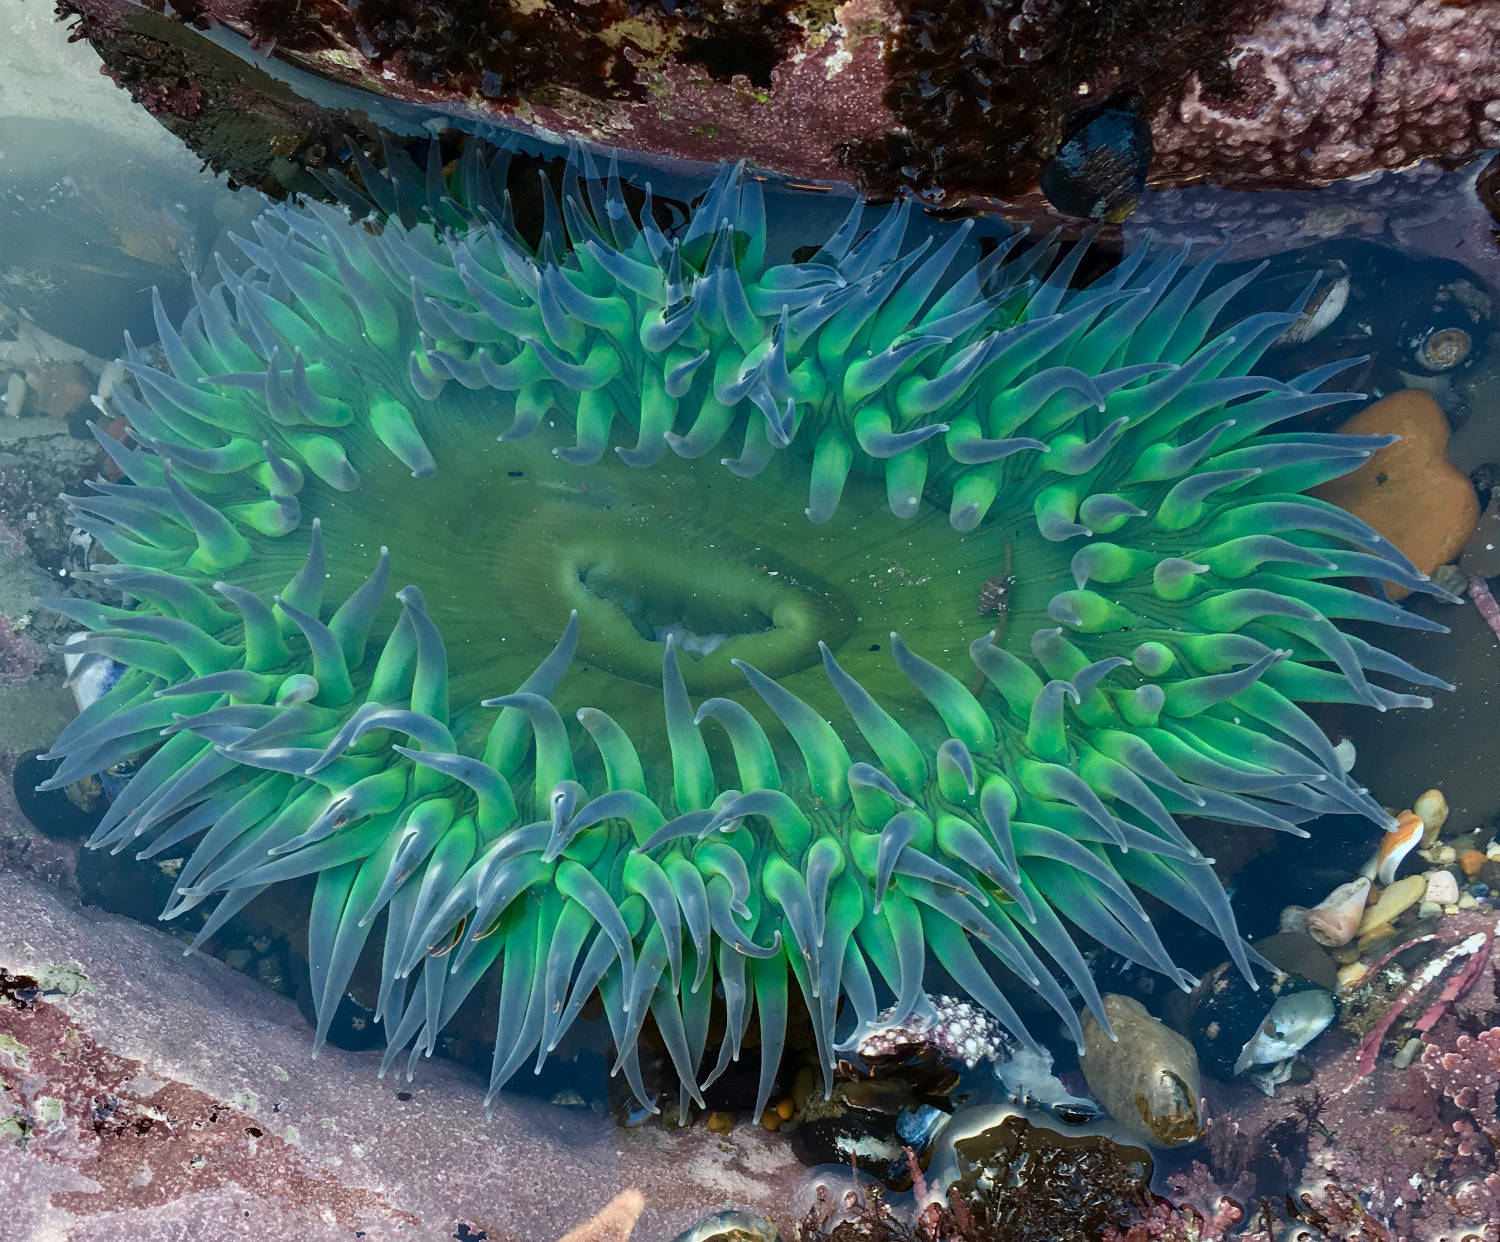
(167, 1098)
(965, 98)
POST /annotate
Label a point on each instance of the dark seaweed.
(986, 90)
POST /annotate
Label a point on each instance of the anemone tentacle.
(993, 579)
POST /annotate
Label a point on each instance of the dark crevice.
(985, 90)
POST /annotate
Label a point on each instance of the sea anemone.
(914, 601)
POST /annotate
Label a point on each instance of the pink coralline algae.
(1166, 1222)
(1422, 1143)
(1456, 965)
(1467, 1074)
(19, 656)
(1366, 1151)
(1326, 89)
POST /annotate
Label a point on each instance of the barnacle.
(716, 714)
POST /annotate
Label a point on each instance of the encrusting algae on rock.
(1409, 491)
(634, 724)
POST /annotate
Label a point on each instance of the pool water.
(1345, 1086)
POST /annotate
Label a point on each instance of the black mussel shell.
(1099, 169)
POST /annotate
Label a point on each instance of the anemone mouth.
(775, 626)
(669, 607)
(999, 578)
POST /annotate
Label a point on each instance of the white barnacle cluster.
(958, 1030)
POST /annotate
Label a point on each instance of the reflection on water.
(1359, 1074)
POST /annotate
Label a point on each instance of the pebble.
(1408, 1052)
(720, 1123)
(1394, 900)
(1442, 888)
(1479, 889)
(802, 1087)
(1385, 489)
(1377, 936)
(1467, 901)
(1350, 975)
(1471, 861)
(1432, 809)
(1429, 910)
(1446, 854)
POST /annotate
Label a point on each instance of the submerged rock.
(191, 1109)
(1147, 1077)
(1299, 954)
(1481, 553)
(731, 1225)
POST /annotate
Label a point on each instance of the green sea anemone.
(762, 624)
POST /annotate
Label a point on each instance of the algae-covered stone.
(1409, 491)
(1147, 1077)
